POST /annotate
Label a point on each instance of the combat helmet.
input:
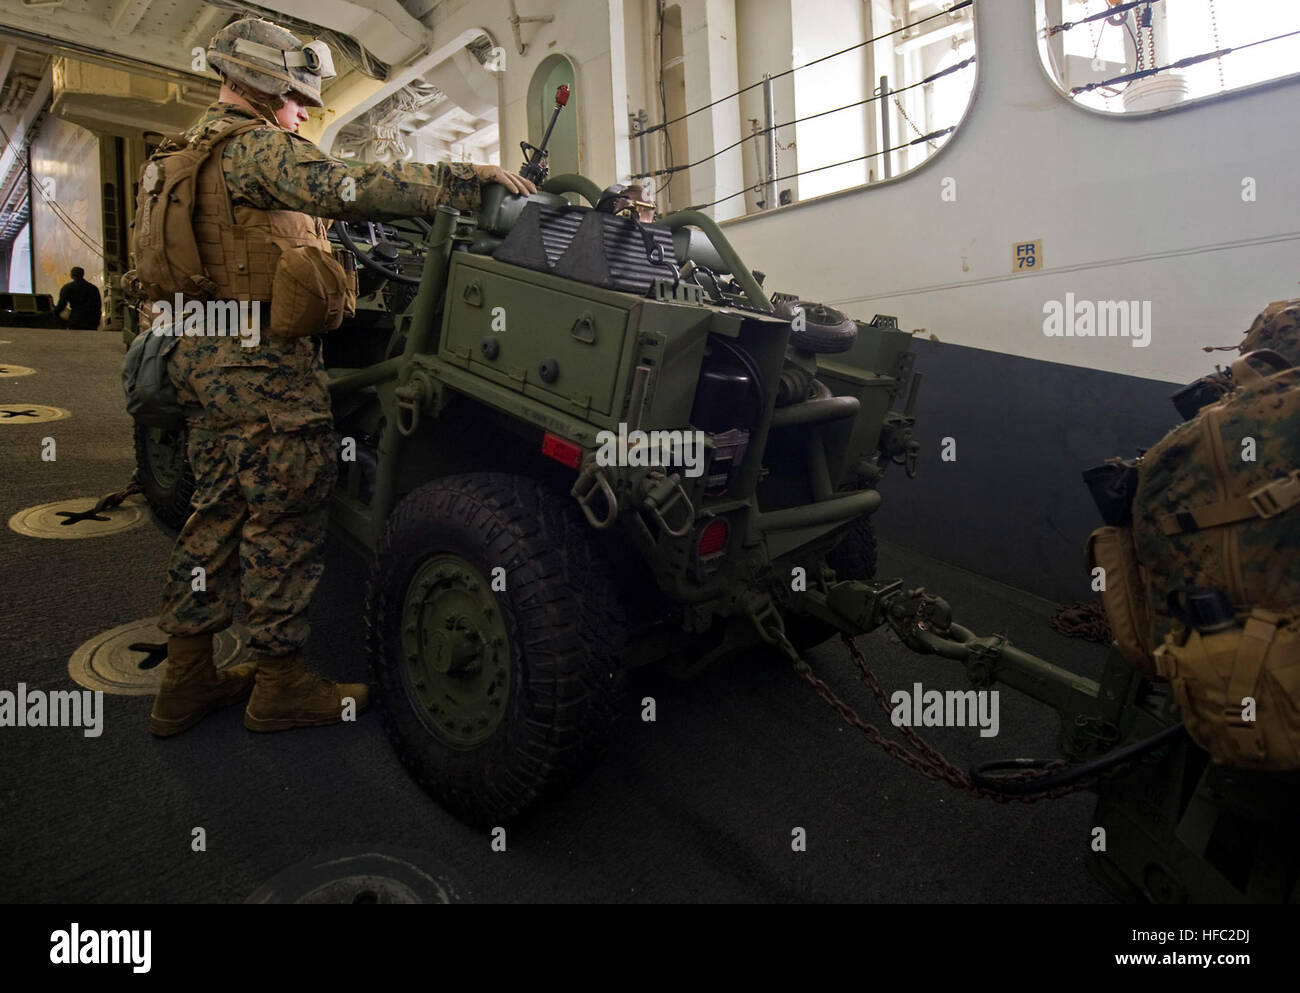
(268, 59)
(1277, 327)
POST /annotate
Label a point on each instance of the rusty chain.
(111, 500)
(927, 760)
(1082, 619)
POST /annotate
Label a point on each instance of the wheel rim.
(455, 651)
(165, 457)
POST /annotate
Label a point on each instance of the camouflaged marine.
(260, 436)
(1277, 327)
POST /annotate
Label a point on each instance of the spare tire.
(823, 330)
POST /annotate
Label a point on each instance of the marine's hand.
(512, 181)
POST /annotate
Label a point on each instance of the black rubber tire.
(564, 624)
(853, 558)
(825, 331)
(170, 504)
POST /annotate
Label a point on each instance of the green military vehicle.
(559, 480)
(573, 443)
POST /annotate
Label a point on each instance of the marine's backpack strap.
(217, 133)
(1244, 736)
(1266, 501)
(222, 128)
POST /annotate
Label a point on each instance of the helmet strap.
(264, 103)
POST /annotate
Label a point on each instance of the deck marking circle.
(30, 413)
(47, 520)
(362, 875)
(127, 660)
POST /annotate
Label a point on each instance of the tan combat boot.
(192, 686)
(287, 695)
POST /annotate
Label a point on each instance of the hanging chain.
(1151, 35)
(919, 132)
(1214, 28)
(1093, 36)
(926, 759)
(111, 500)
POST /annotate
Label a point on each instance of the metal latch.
(590, 483)
(410, 398)
(662, 493)
(584, 328)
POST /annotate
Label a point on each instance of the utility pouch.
(1239, 689)
(1112, 485)
(349, 263)
(310, 293)
(1205, 391)
(150, 396)
(1124, 594)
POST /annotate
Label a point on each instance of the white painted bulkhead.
(1146, 208)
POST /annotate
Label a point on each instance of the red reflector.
(565, 452)
(713, 538)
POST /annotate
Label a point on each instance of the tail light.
(713, 538)
(563, 451)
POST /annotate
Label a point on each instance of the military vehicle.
(575, 442)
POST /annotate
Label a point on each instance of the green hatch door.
(550, 339)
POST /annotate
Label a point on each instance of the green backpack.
(150, 396)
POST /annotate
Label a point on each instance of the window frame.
(976, 88)
(1044, 66)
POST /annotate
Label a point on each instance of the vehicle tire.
(494, 698)
(824, 330)
(166, 478)
(853, 558)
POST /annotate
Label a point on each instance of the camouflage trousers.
(262, 447)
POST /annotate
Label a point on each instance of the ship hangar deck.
(698, 806)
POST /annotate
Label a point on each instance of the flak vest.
(281, 257)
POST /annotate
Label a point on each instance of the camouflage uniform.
(1277, 327)
(263, 446)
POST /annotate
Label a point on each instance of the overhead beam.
(466, 83)
(383, 27)
(358, 94)
(126, 16)
(142, 54)
(205, 26)
(438, 111)
(6, 61)
(26, 118)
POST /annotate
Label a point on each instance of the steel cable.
(822, 113)
(745, 89)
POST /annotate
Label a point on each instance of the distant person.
(82, 300)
